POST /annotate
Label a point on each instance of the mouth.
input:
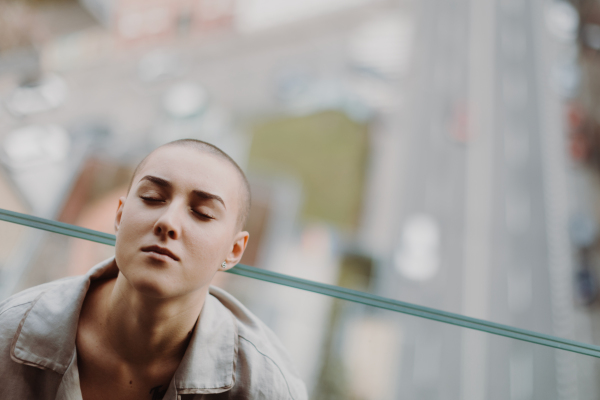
(160, 250)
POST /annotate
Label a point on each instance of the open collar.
(209, 363)
(47, 333)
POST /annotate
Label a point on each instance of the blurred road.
(495, 253)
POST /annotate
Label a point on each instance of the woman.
(145, 324)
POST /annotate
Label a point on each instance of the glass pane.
(41, 257)
(438, 152)
(345, 350)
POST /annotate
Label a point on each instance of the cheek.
(133, 222)
(207, 250)
(131, 229)
(202, 264)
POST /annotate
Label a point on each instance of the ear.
(119, 213)
(237, 249)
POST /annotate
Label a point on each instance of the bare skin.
(106, 367)
(134, 329)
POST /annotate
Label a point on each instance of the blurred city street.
(417, 150)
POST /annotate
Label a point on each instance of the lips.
(160, 250)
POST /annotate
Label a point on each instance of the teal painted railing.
(333, 291)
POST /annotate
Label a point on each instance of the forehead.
(192, 169)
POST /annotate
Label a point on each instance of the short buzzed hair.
(210, 149)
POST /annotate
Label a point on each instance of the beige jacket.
(232, 354)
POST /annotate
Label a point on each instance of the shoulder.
(28, 296)
(18, 380)
(11, 314)
(263, 364)
(14, 308)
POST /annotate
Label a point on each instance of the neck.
(144, 330)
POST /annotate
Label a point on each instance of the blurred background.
(440, 152)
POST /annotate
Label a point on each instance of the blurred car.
(185, 99)
(586, 282)
(35, 145)
(562, 20)
(590, 36)
(566, 78)
(459, 126)
(417, 256)
(583, 229)
(382, 46)
(43, 94)
(157, 65)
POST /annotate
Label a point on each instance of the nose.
(168, 224)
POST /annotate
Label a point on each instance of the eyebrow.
(158, 181)
(198, 193)
(208, 196)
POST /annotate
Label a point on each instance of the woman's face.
(178, 222)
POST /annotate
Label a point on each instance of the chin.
(159, 285)
(148, 280)
(152, 283)
(152, 288)
(156, 281)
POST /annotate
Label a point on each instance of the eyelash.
(156, 200)
(152, 199)
(203, 216)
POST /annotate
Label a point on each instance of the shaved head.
(207, 148)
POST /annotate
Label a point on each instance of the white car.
(417, 255)
(34, 146)
(157, 65)
(185, 99)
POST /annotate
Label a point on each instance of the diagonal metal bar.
(57, 227)
(416, 310)
(333, 291)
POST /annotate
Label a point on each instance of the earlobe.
(119, 213)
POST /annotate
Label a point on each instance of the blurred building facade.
(135, 21)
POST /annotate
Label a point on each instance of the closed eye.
(202, 215)
(151, 199)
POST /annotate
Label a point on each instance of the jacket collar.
(46, 335)
(209, 363)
